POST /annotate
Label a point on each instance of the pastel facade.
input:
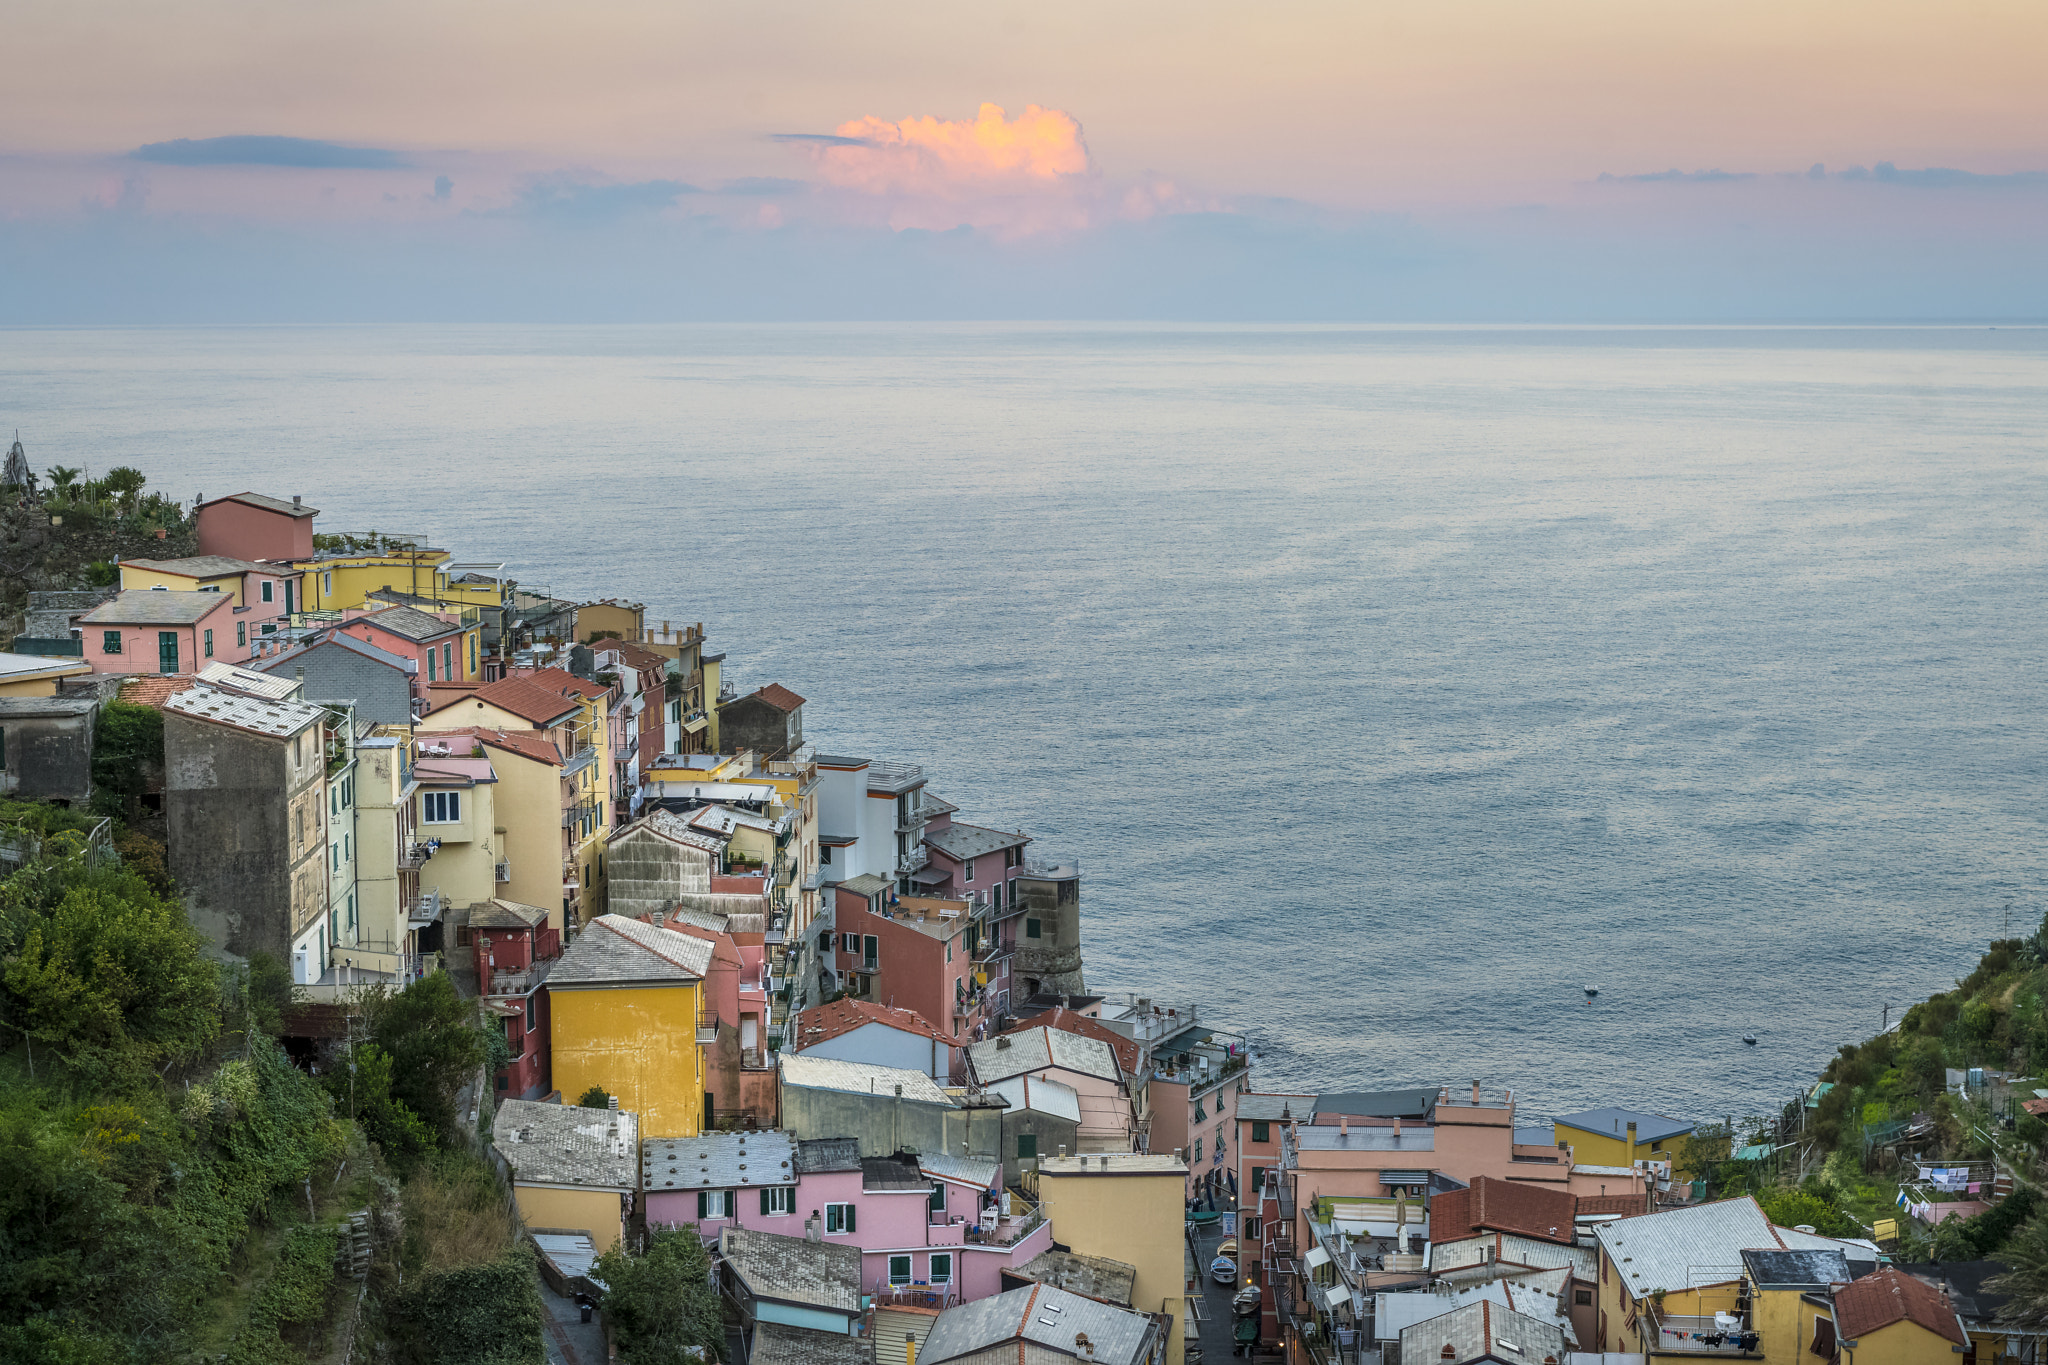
(148, 631)
(256, 526)
(572, 1169)
(36, 675)
(260, 591)
(1127, 1207)
(624, 999)
(439, 645)
(513, 947)
(910, 952)
(862, 1031)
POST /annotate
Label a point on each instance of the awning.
(1337, 1296)
(1316, 1256)
(1404, 1177)
(929, 876)
(691, 727)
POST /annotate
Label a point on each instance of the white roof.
(279, 719)
(1038, 1048)
(1036, 1092)
(1684, 1248)
(265, 685)
(1534, 1296)
(37, 663)
(719, 1161)
(812, 1072)
(724, 820)
(962, 1170)
(1464, 1252)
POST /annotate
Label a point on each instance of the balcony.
(913, 861)
(413, 857)
(1019, 1223)
(522, 981)
(580, 761)
(427, 909)
(1684, 1334)
(707, 1027)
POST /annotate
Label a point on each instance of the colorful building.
(1622, 1137)
(513, 948)
(624, 1000)
(148, 630)
(37, 675)
(442, 648)
(1128, 1207)
(1088, 1066)
(912, 953)
(255, 526)
(572, 1169)
(863, 1031)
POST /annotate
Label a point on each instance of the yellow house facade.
(573, 1169)
(338, 580)
(624, 1000)
(1129, 1207)
(1622, 1137)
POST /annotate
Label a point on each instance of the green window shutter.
(1258, 1180)
(1261, 1133)
(852, 1222)
(1027, 1146)
(938, 1198)
(703, 1206)
(764, 1200)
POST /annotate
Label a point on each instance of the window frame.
(1262, 1130)
(110, 642)
(902, 1259)
(267, 589)
(241, 635)
(844, 1215)
(780, 1201)
(448, 803)
(932, 1267)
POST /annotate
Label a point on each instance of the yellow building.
(1891, 1318)
(35, 675)
(455, 814)
(347, 568)
(611, 617)
(1622, 1137)
(624, 999)
(573, 1169)
(387, 876)
(1129, 1207)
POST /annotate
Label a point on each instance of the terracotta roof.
(631, 653)
(525, 743)
(722, 949)
(153, 691)
(1503, 1206)
(562, 682)
(522, 698)
(821, 1023)
(1066, 1021)
(779, 697)
(1890, 1296)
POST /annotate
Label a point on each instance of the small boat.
(1223, 1270)
(1246, 1304)
(1592, 991)
(1749, 1038)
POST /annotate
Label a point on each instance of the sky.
(1578, 160)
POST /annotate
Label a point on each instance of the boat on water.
(1749, 1038)
(1592, 991)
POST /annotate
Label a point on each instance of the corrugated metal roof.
(248, 680)
(278, 719)
(1042, 1315)
(1683, 1248)
(719, 1161)
(812, 1072)
(1035, 1049)
(961, 1170)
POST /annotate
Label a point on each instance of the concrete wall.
(381, 693)
(750, 723)
(1138, 1219)
(1052, 1131)
(48, 755)
(880, 1045)
(228, 802)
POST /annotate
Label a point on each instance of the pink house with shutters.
(930, 1229)
(146, 630)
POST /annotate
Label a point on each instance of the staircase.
(892, 1325)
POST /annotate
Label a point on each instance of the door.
(167, 651)
(290, 587)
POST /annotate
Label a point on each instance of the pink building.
(433, 640)
(1088, 1066)
(148, 630)
(253, 526)
(930, 1229)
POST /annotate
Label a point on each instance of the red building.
(252, 526)
(910, 952)
(514, 947)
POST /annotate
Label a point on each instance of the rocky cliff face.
(45, 548)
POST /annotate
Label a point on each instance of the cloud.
(946, 157)
(1947, 178)
(819, 139)
(256, 150)
(565, 197)
(1715, 176)
(762, 185)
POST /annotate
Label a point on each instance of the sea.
(1393, 685)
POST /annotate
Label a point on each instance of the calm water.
(1393, 685)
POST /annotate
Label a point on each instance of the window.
(1258, 1181)
(448, 659)
(326, 582)
(1031, 928)
(1027, 1146)
(824, 855)
(241, 634)
(871, 952)
(432, 676)
(472, 654)
(714, 1204)
(949, 950)
(441, 808)
(967, 870)
(1582, 1297)
(938, 1199)
(942, 1267)
(849, 943)
(1198, 1149)
(778, 1201)
(532, 1021)
(995, 895)
(268, 588)
(334, 800)
(899, 1270)
(1262, 1132)
(209, 644)
(839, 1218)
(501, 1075)
(1200, 1113)
(110, 642)
(335, 849)
(214, 588)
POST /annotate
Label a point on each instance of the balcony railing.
(1021, 1221)
(1684, 1334)
(580, 760)
(707, 1026)
(913, 861)
(521, 981)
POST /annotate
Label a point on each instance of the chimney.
(1063, 1149)
(1344, 1125)
(1397, 1128)
(612, 1103)
(1449, 1352)
(1475, 1092)
(1631, 1143)
(297, 502)
(813, 1229)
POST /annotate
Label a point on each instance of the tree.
(435, 1045)
(660, 1305)
(362, 1089)
(127, 754)
(125, 483)
(62, 477)
(1797, 1208)
(594, 1098)
(2027, 1280)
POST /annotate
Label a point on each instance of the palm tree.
(125, 483)
(62, 477)
(2027, 1281)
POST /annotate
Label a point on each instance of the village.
(795, 1000)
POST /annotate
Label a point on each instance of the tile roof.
(961, 842)
(1472, 1333)
(1094, 1277)
(1270, 1108)
(154, 689)
(1044, 1316)
(563, 682)
(268, 504)
(818, 1156)
(199, 566)
(152, 607)
(520, 697)
(779, 697)
(1041, 1096)
(859, 1078)
(1535, 1296)
(1038, 1047)
(526, 743)
(613, 950)
(889, 1174)
(671, 827)
(793, 1269)
(1067, 1021)
(718, 1161)
(633, 654)
(407, 623)
(1891, 1296)
(1614, 1123)
(1668, 1250)
(867, 884)
(277, 719)
(564, 1144)
(499, 913)
(961, 1170)
(1504, 1206)
(778, 1344)
(822, 1023)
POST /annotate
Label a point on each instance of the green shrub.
(488, 1314)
